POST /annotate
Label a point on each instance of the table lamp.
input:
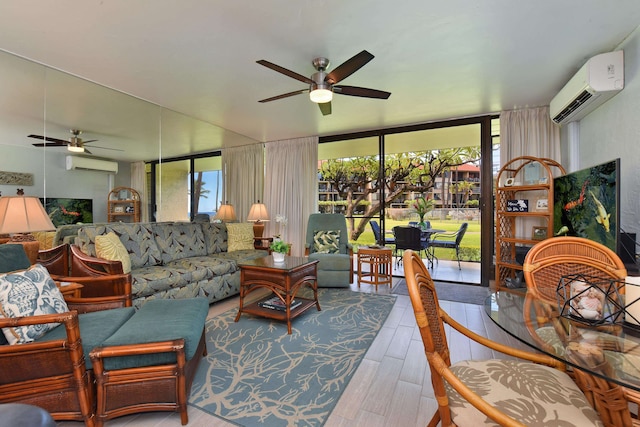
(226, 213)
(258, 214)
(21, 215)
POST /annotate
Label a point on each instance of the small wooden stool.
(379, 259)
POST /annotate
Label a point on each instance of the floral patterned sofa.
(168, 260)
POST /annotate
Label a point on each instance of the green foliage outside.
(469, 248)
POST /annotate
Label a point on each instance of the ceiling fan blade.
(87, 151)
(348, 67)
(103, 148)
(47, 138)
(284, 71)
(91, 140)
(51, 144)
(361, 91)
(325, 108)
(284, 95)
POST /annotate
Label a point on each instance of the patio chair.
(377, 234)
(450, 241)
(408, 237)
(468, 388)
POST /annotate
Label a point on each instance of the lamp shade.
(23, 214)
(226, 213)
(258, 213)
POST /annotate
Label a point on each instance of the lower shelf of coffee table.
(271, 313)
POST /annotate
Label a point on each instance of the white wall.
(51, 179)
(613, 131)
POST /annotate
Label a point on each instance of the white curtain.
(243, 177)
(528, 132)
(139, 183)
(291, 188)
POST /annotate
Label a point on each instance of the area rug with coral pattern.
(256, 374)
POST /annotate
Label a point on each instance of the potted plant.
(279, 249)
(422, 207)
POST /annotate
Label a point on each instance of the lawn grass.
(470, 244)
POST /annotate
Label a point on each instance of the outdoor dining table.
(425, 236)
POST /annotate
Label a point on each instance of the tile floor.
(391, 387)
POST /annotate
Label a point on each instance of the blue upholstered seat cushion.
(95, 327)
(12, 258)
(160, 320)
(338, 262)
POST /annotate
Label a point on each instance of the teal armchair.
(327, 240)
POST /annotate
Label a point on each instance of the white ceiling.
(439, 59)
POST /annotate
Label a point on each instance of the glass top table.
(609, 351)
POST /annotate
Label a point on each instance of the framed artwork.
(517, 205)
(68, 211)
(539, 233)
(542, 204)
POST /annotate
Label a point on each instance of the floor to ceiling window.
(441, 162)
(185, 187)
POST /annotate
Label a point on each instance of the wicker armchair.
(52, 373)
(545, 264)
(553, 258)
(468, 388)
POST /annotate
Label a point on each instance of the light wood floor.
(392, 385)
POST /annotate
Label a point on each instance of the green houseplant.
(279, 248)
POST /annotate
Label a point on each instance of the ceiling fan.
(74, 143)
(323, 85)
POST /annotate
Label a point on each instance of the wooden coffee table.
(284, 280)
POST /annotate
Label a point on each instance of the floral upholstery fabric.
(326, 241)
(179, 240)
(175, 260)
(215, 237)
(138, 238)
(533, 394)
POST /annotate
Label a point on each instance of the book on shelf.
(275, 303)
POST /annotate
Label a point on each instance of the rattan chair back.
(548, 261)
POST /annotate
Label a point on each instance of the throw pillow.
(109, 246)
(29, 293)
(240, 236)
(326, 241)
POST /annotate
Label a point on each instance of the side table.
(379, 260)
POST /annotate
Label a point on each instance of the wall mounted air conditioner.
(87, 163)
(596, 82)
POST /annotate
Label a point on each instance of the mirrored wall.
(121, 128)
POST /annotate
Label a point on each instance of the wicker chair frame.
(545, 264)
(431, 319)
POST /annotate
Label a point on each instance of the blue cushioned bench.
(149, 363)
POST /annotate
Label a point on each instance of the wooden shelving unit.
(123, 205)
(524, 210)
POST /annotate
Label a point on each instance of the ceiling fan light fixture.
(75, 148)
(321, 95)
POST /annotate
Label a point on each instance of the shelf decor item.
(591, 300)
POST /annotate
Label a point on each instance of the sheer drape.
(243, 177)
(139, 183)
(291, 187)
(528, 132)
